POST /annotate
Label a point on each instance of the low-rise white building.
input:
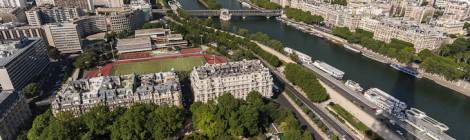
(134, 44)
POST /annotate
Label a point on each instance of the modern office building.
(12, 3)
(21, 61)
(118, 91)
(64, 36)
(111, 20)
(134, 44)
(50, 14)
(237, 78)
(13, 31)
(14, 114)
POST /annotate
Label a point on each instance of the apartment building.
(14, 114)
(451, 27)
(12, 15)
(85, 5)
(456, 10)
(21, 61)
(90, 25)
(418, 14)
(79, 96)
(109, 3)
(333, 15)
(421, 36)
(12, 31)
(50, 14)
(12, 3)
(64, 36)
(237, 78)
(44, 2)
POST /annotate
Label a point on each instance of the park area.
(160, 65)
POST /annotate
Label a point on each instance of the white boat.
(353, 85)
(351, 48)
(336, 73)
(247, 5)
(304, 58)
(375, 58)
(386, 102)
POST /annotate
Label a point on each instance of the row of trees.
(140, 121)
(230, 118)
(306, 80)
(262, 38)
(303, 16)
(195, 30)
(401, 50)
(266, 4)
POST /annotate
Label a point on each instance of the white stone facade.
(80, 96)
(237, 78)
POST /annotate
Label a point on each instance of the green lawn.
(152, 66)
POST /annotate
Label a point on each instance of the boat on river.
(336, 73)
(353, 85)
(351, 48)
(406, 70)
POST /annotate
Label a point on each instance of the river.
(441, 103)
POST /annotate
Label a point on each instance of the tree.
(97, 121)
(132, 124)
(30, 90)
(53, 53)
(86, 60)
(243, 32)
(39, 124)
(166, 121)
(466, 26)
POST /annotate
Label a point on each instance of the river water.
(441, 103)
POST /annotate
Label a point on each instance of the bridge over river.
(226, 13)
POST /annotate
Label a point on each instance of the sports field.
(152, 66)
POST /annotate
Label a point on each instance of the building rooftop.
(11, 49)
(109, 88)
(229, 69)
(132, 41)
(151, 31)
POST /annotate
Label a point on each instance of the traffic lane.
(281, 100)
(320, 113)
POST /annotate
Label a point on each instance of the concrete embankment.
(203, 3)
(460, 86)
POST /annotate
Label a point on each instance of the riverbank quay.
(367, 118)
(460, 86)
